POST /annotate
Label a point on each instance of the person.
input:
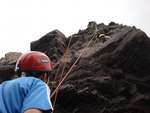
(28, 93)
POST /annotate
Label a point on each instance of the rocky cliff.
(107, 69)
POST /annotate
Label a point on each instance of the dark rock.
(7, 66)
(53, 44)
(109, 73)
(6, 72)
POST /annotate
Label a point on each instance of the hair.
(34, 73)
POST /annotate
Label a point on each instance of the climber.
(103, 37)
(28, 93)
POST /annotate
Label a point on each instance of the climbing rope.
(62, 72)
(70, 69)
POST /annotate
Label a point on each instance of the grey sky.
(23, 21)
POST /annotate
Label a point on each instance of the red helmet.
(33, 61)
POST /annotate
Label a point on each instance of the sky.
(24, 21)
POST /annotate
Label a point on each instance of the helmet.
(33, 61)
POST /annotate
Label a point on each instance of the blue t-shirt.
(21, 94)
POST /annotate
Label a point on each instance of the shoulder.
(32, 82)
(29, 80)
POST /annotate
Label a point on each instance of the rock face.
(53, 44)
(10, 58)
(112, 74)
(7, 65)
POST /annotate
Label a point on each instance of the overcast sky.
(23, 21)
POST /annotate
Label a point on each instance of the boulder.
(53, 44)
(7, 65)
